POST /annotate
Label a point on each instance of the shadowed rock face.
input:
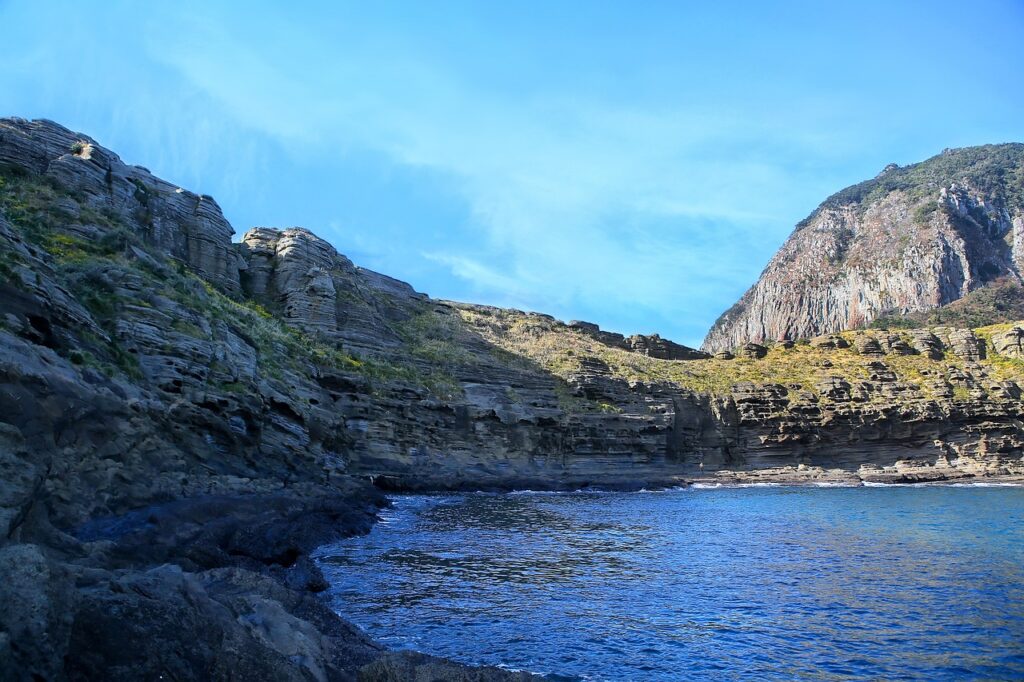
(303, 279)
(182, 419)
(184, 225)
(913, 239)
(169, 455)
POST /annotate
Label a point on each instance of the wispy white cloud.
(581, 204)
(638, 204)
(482, 275)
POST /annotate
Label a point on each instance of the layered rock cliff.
(182, 419)
(912, 239)
(171, 452)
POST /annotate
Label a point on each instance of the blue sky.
(632, 164)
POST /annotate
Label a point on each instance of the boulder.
(752, 351)
(829, 342)
(868, 345)
(927, 344)
(1010, 343)
(893, 344)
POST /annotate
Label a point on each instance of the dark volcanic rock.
(35, 624)
(154, 431)
(222, 624)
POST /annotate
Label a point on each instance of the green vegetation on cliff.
(803, 367)
(991, 168)
(117, 273)
(106, 266)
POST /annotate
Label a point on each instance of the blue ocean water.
(745, 583)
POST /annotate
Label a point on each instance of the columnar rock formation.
(912, 239)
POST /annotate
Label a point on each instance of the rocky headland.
(183, 418)
(895, 249)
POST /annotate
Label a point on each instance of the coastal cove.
(512, 342)
(185, 418)
(759, 581)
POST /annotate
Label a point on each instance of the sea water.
(728, 583)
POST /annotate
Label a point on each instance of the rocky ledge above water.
(182, 418)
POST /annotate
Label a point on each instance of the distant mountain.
(911, 240)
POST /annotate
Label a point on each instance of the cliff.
(171, 452)
(183, 418)
(911, 240)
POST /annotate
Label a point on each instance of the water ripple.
(755, 583)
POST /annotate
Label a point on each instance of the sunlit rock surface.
(913, 239)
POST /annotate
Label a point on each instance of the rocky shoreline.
(184, 419)
(218, 587)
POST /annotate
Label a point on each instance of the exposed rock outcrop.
(186, 226)
(753, 351)
(913, 239)
(1010, 343)
(309, 284)
(169, 454)
(651, 345)
(829, 341)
